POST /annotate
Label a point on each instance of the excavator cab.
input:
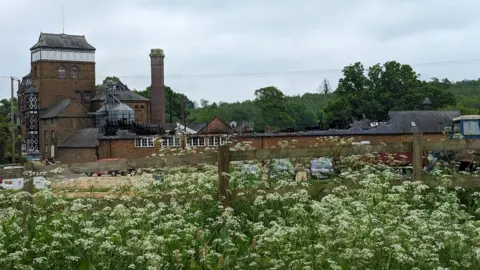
(465, 127)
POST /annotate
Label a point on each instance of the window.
(136, 106)
(141, 107)
(53, 135)
(170, 142)
(74, 72)
(45, 135)
(61, 72)
(196, 141)
(471, 128)
(144, 142)
(216, 141)
(46, 148)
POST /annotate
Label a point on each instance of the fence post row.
(223, 170)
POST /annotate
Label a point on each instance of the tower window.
(74, 72)
(61, 72)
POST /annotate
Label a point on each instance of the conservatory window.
(61, 72)
(216, 141)
(471, 128)
(196, 141)
(144, 142)
(171, 142)
(74, 72)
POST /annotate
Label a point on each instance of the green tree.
(272, 105)
(299, 112)
(175, 100)
(111, 78)
(374, 92)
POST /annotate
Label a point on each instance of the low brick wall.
(127, 149)
(74, 155)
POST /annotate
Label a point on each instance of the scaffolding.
(113, 110)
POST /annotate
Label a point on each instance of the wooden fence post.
(223, 170)
(28, 181)
(417, 157)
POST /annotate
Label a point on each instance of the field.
(272, 222)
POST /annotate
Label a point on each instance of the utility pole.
(12, 117)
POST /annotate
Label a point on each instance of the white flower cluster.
(269, 224)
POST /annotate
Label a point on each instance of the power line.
(283, 73)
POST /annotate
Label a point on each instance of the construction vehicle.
(465, 127)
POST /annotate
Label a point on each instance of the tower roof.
(427, 101)
(62, 41)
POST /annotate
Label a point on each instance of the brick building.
(59, 104)
(66, 117)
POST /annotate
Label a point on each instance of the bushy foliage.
(178, 223)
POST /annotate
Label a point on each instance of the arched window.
(61, 72)
(35, 71)
(74, 72)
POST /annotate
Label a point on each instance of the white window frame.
(196, 141)
(216, 140)
(144, 142)
(170, 142)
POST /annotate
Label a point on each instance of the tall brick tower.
(61, 66)
(158, 86)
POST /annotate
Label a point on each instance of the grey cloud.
(216, 37)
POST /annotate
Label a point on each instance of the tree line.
(362, 92)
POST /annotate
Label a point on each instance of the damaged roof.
(62, 41)
(81, 138)
(56, 108)
(400, 123)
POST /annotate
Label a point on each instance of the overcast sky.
(212, 37)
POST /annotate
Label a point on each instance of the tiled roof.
(81, 138)
(56, 108)
(400, 123)
(122, 95)
(62, 41)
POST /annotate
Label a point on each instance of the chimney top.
(157, 52)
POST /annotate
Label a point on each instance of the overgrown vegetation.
(273, 222)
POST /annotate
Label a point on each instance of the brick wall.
(125, 149)
(51, 87)
(74, 155)
(306, 141)
(62, 128)
(141, 109)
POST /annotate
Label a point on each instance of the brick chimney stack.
(158, 86)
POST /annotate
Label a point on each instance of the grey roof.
(31, 89)
(62, 41)
(56, 108)
(122, 96)
(81, 138)
(400, 123)
(426, 121)
(25, 83)
(197, 126)
(427, 101)
(121, 135)
(116, 107)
